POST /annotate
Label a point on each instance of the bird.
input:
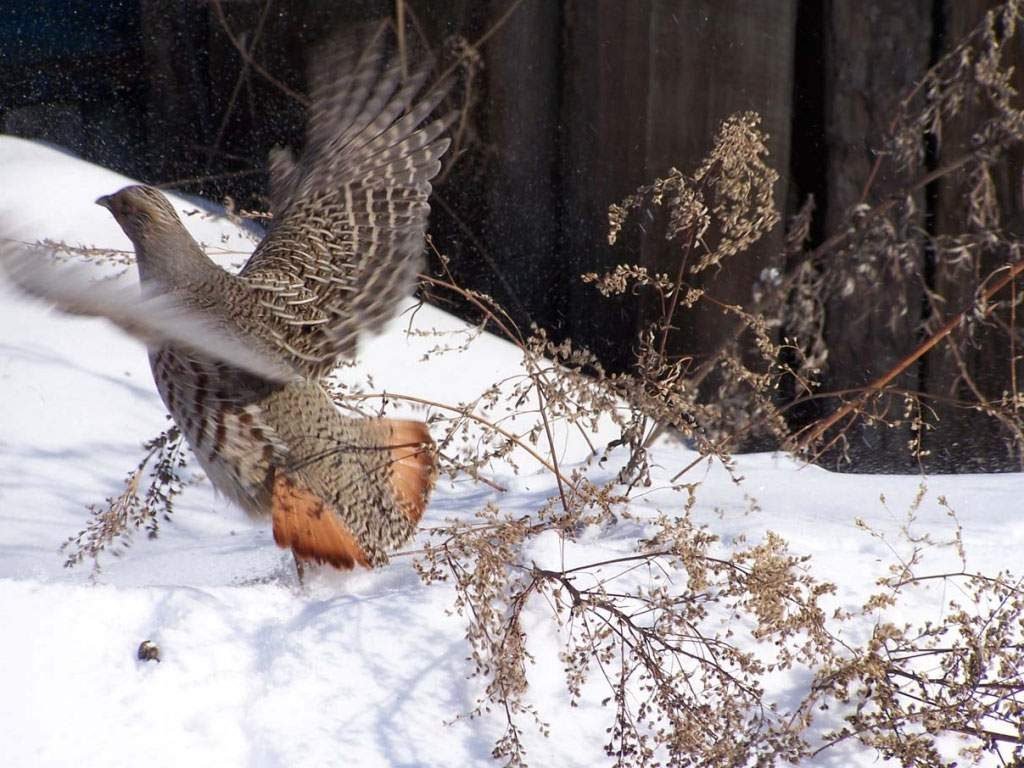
(240, 360)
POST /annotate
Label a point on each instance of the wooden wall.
(863, 85)
(577, 103)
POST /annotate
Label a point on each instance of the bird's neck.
(174, 260)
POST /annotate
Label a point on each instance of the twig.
(469, 415)
(814, 431)
(400, 34)
(482, 39)
(256, 66)
(242, 77)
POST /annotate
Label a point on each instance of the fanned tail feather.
(413, 469)
(305, 524)
(314, 530)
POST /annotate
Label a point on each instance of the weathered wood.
(709, 60)
(174, 33)
(579, 103)
(874, 53)
(965, 439)
(521, 226)
(646, 87)
(606, 66)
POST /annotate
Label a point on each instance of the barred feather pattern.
(344, 248)
(350, 464)
(218, 410)
(350, 214)
(245, 432)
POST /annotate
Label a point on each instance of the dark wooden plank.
(646, 88)
(522, 80)
(968, 440)
(710, 60)
(606, 66)
(874, 53)
(178, 116)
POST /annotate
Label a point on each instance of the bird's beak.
(104, 201)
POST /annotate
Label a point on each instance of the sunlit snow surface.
(362, 668)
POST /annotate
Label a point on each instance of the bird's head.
(141, 211)
(163, 247)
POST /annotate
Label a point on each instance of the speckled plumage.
(344, 248)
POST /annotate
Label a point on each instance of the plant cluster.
(145, 499)
(953, 278)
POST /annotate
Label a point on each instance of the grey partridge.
(239, 359)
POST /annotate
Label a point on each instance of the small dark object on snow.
(148, 651)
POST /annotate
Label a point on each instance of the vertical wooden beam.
(521, 228)
(647, 85)
(874, 53)
(175, 40)
(965, 440)
(604, 119)
(711, 59)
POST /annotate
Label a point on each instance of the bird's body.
(286, 452)
(344, 248)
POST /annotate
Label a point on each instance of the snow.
(366, 668)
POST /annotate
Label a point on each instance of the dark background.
(575, 104)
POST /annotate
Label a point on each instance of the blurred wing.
(350, 214)
(154, 319)
(282, 178)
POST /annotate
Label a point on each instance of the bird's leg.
(300, 570)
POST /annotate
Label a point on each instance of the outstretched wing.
(154, 319)
(350, 214)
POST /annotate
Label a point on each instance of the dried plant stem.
(829, 245)
(813, 432)
(400, 34)
(247, 57)
(669, 315)
(542, 405)
(174, 183)
(469, 415)
(539, 380)
(1013, 348)
(885, 206)
(475, 474)
(243, 74)
(515, 337)
(478, 43)
(981, 401)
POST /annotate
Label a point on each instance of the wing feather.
(351, 214)
(154, 319)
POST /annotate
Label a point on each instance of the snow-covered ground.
(361, 668)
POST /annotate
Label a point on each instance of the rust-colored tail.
(413, 469)
(313, 530)
(330, 532)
